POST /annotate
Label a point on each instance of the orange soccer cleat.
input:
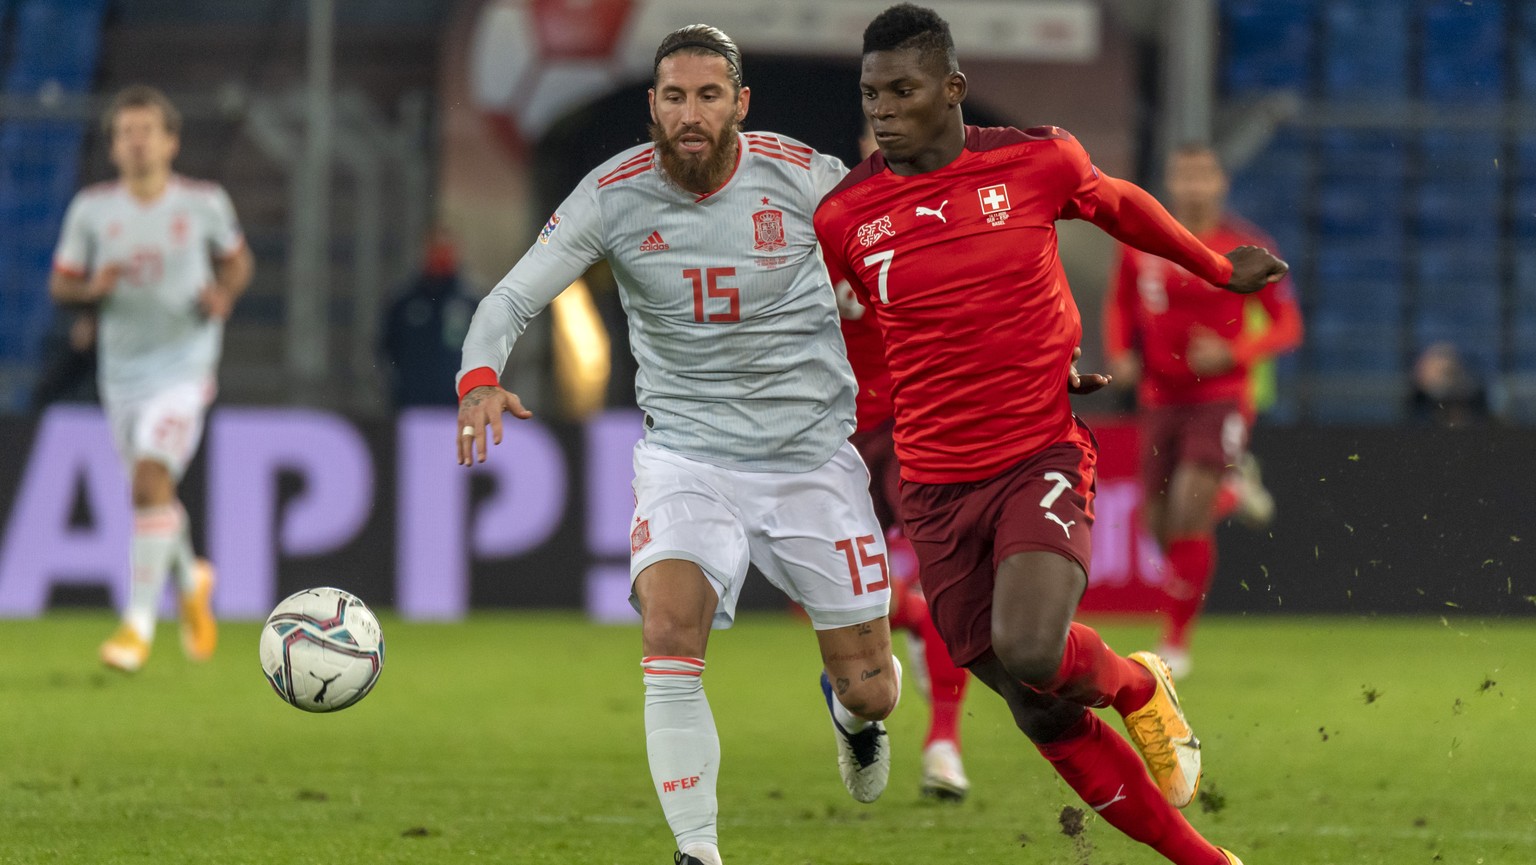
(199, 630)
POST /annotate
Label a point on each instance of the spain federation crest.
(768, 230)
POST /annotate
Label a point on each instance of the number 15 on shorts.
(860, 560)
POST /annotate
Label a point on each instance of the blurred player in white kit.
(163, 258)
(748, 401)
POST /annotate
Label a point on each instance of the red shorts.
(963, 531)
(1211, 434)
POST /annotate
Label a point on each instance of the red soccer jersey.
(1157, 306)
(961, 266)
(866, 353)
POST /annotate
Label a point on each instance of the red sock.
(1108, 774)
(1192, 561)
(1091, 674)
(946, 684)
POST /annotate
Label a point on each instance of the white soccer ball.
(322, 649)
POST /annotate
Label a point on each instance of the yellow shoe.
(199, 631)
(125, 650)
(1231, 857)
(1163, 737)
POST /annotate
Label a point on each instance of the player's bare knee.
(872, 699)
(671, 632)
(152, 484)
(1028, 657)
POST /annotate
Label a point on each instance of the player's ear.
(955, 88)
(650, 99)
(742, 100)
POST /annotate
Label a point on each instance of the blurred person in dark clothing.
(1444, 391)
(425, 329)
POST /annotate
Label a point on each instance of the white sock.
(852, 723)
(155, 533)
(184, 558)
(684, 751)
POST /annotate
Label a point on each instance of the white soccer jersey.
(732, 318)
(153, 333)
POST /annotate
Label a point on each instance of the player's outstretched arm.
(479, 408)
(1254, 267)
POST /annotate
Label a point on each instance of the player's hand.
(103, 282)
(215, 302)
(1082, 383)
(848, 305)
(479, 408)
(1207, 353)
(1253, 267)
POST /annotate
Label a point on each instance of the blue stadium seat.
(1463, 51)
(1522, 209)
(1358, 282)
(1459, 284)
(1522, 344)
(1339, 347)
(1365, 50)
(1473, 154)
(55, 43)
(1523, 298)
(1274, 184)
(1523, 46)
(1454, 209)
(1361, 208)
(1268, 45)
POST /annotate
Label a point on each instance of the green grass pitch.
(518, 739)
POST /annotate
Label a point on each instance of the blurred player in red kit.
(948, 236)
(1184, 339)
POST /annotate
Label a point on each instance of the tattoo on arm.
(842, 686)
(870, 674)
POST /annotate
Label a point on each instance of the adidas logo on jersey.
(654, 243)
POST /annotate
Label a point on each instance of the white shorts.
(813, 534)
(164, 427)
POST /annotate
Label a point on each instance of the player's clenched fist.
(480, 407)
(1254, 267)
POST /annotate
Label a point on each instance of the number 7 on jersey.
(884, 260)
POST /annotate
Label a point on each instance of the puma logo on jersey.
(929, 211)
(654, 243)
(1065, 527)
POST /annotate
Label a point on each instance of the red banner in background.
(1126, 575)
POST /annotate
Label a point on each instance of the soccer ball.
(322, 649)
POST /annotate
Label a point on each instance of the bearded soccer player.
(948, 233)
(748, 401)
(164, 260)
(1185, 339)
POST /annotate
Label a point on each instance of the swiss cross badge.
(994, 203)
(640, 536)
(768, 230)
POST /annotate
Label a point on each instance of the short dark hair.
(700, 40)
(141, 96)
(907, 26)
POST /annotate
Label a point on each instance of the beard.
(703, 173)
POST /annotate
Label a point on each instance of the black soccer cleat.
(684, 859)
